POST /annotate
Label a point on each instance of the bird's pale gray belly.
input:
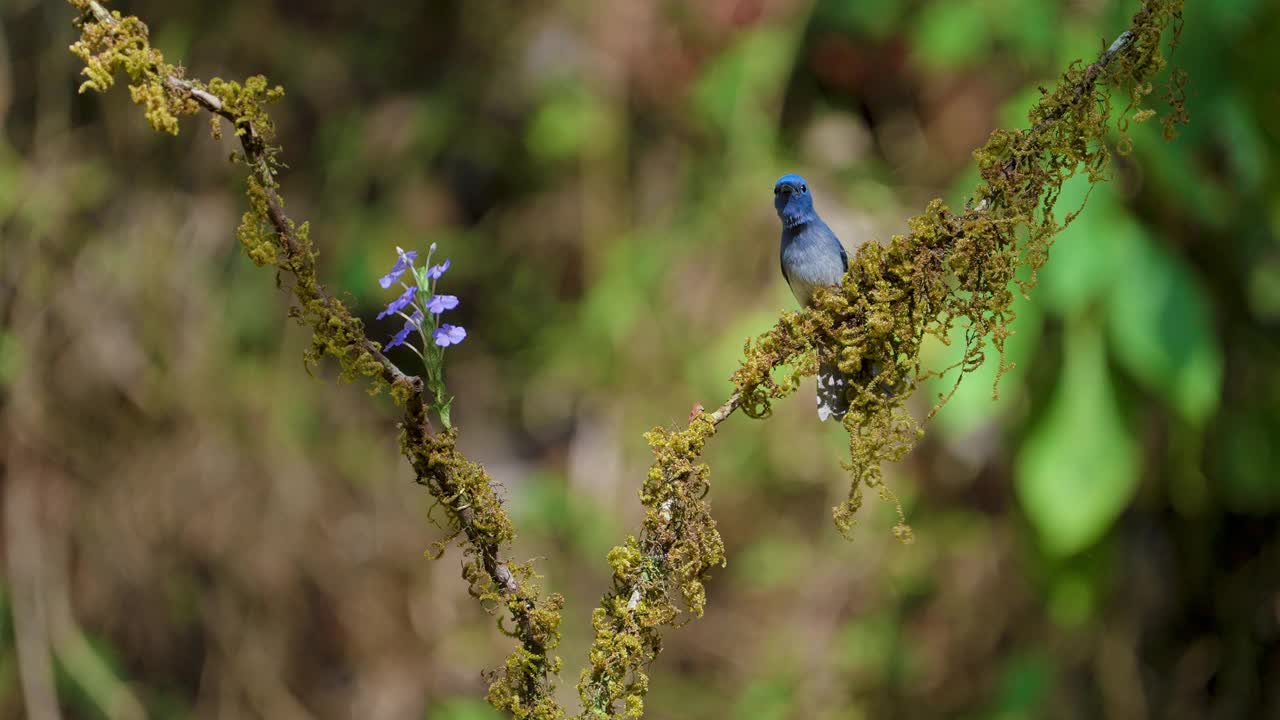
(803, 290)
(810, 268)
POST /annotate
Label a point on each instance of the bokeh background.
(193, 527)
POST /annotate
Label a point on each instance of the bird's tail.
(833, 395)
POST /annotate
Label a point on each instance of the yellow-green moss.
(524, 686)
(247, 103)
(110, 43)
(955, 270)
(123, 46)
(659, 578)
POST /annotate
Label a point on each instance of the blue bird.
(812, 257)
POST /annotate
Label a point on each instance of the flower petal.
(403, 334)
(397, 339)
(437, 270)
(404, 262)
(399, 303)
(439, 303)
(447, 335)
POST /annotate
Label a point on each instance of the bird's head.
(792, 200)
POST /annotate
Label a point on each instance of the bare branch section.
(110, 43)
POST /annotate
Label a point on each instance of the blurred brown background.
(194, 528)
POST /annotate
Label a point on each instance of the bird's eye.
(804, 189)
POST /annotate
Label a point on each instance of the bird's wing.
(828, 235)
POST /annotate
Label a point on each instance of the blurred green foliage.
(1078, 466)
(600, 177)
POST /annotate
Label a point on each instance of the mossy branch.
(111, 43)
(956, 272)
(953, 271)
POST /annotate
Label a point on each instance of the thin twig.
(724, 411)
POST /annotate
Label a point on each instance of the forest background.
(213, 533)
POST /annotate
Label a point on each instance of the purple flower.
(409, 326)
(439, 303)
(437, 270)
(399, 303)
(404, 262)
(448, 335)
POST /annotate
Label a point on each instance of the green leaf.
(91, 679)
(567, 123)
(464, 708)
(1247, 150)
(1072, 599)
(742, 85)
(546, 506)
(765, 700)
(1032, 28)
(1160, 325)
(877, 18)
(1086, 257)
(870, 643)
(1250, 441)
(708, 370)
(1232, 15)
(950, 33)
(10, 358)
(1078, 468)
(1025, 682)
(771, 563)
